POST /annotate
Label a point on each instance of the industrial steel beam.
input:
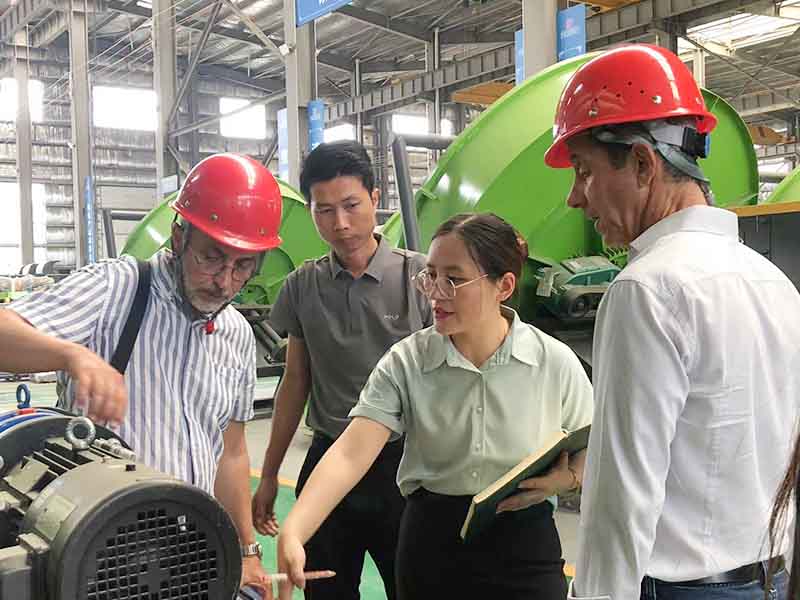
(381, 21)
(23, 12)
(105, 21)
(18, 15)
(420, 34)
(762, 102)
(471, 36)
(699, 67)
(217, 118)
(634, 21)
(433, 59)
(751, 57)
(189, 73)
(778, 151)
(355, 91)
(46, 32)
(323, 58)
(23, 150)
(82, 175)
(391, 66)
(496, 62)
(750, 76)
(329, 59)
(265, 84)
(301, 86)
(165, 83)
(255, 30)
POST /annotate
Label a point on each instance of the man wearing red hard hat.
(182, 382)
(692, 427)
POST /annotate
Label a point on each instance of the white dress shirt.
(696, 382)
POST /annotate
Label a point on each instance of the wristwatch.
(253, 549)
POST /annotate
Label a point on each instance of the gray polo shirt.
(349, 324)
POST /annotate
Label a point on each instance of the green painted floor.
(371, 582)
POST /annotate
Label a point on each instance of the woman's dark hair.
(787, 492)
(493, 243)
(336, 159)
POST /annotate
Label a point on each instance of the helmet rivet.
(262, 231)
(657, 99)
(593, 111)
(214, 217)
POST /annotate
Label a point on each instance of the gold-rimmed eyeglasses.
(428, 284)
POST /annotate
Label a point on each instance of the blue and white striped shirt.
(184, 386)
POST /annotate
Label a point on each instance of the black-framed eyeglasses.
(242, 269)
(428, 284)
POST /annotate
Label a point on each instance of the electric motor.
(80, 518)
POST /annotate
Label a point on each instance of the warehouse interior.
(107, 105)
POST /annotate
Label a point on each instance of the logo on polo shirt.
(391, 317)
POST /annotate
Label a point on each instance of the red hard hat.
(638, 82)
(233, 199)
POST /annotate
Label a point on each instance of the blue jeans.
(662, 590)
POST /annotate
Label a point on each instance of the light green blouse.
(465, 426)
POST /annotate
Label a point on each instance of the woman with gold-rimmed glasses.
(474, 394)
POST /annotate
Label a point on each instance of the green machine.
(300, 242)
(787, 190)
(497, 165)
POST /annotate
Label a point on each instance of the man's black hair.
(336, 159)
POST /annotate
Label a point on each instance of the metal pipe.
(402, 177)
(402, 173)
(126, 215)
(109, 214)
(271, 332)
(108, 227)
(429, 141)
(187, 76)
(771, 176)
(271, 150)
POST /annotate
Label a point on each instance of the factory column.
(301, 85)
(24, 148)
(165, 82)
(82, 183)
(539, 34)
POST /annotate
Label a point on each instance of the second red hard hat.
(637, 82)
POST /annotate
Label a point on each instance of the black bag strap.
(131, 330)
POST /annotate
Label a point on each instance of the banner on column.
(309, 10)
(90, 221)
(571, 32)
(519, 56)
(316, 123)
(283, 144)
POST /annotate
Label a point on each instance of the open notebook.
(483, 508)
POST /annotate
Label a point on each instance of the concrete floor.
(258, 430)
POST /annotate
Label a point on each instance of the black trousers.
(518, 558)
(366, 520)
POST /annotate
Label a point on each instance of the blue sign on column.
(572, 32)
(519, 56)
(283, 144)
(90, 221)
(316, 123)
(309, 10)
